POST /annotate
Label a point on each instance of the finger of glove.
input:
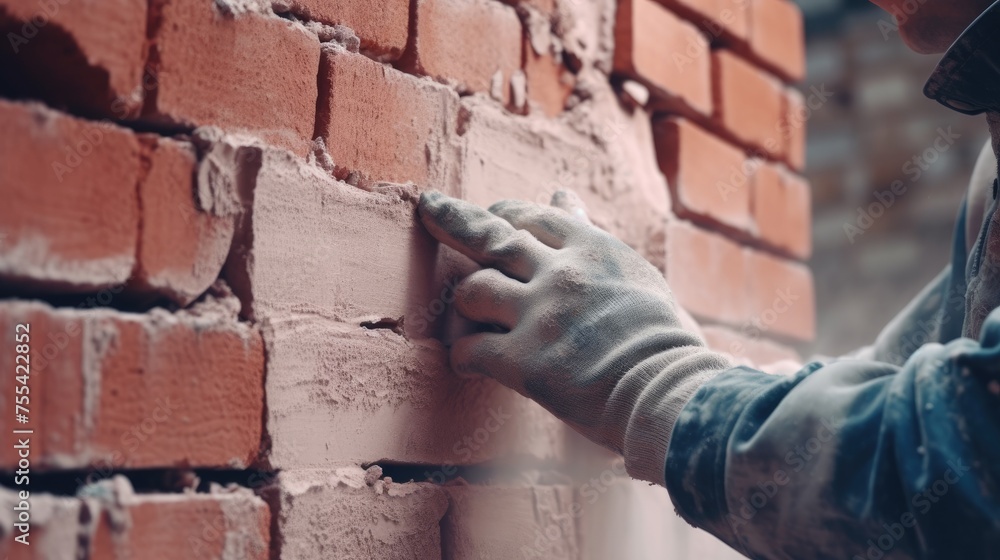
(551, 226)
(571, 202)
(483, 237)
(487, 354)
(488, 296)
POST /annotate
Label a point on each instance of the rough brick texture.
(107, 208)
(244, 72)
(70, 218)
(475, 44)
(208, 220)
(116, 390)
(127, 526)
(384, 520)
(381, 25)
(549, 84)
(182, 526)
(384, 125)
(187, 223)
(668, 54)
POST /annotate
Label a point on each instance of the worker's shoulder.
(980, 192)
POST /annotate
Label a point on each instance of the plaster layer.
(333, 514)
(339, 394)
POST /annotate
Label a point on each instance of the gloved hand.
(589, 329)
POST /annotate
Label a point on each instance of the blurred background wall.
(858, 145)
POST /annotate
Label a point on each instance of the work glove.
(575, 320)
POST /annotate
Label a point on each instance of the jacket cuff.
(647, 436)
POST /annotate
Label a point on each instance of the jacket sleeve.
(852, 459)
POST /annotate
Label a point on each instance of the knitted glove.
(577, 321)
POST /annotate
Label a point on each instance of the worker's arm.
(853, 459)
(811, 466)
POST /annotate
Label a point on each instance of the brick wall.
(236, 322)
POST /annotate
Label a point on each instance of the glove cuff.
(652, 420)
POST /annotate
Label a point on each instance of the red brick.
(707, 273)
(334, 514)
(181, 246)
(748, 103)
(382, 25)
(782, 210)
(747, 345)
(134, 391)
(777, 37)
(510, 522)
(128, 526)
(549, 82)
(179, 526)
(667, 54)
(466, 42)
(782, 297)
(249, 73)
(708, 177)
(87, 56)
(75, 221)
(795, 114)
(70, 217)
(726, 20)
(385, 125)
